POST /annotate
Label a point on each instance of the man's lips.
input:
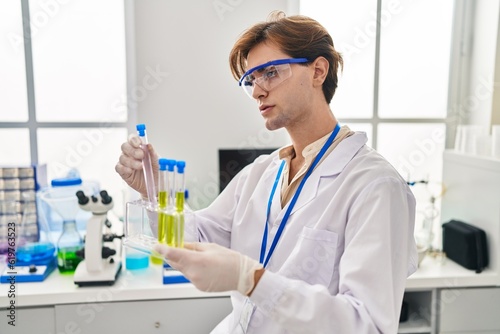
(265, 108)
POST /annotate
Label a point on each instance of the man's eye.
(249, 81)
(270, 73)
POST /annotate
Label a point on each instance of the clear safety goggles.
(268, 75)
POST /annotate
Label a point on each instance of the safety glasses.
(268, 75)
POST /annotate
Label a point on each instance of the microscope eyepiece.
(82, 199)
(105, 198)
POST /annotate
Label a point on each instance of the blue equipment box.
(32, 273)
(172, 276)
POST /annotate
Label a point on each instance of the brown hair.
(298, 36)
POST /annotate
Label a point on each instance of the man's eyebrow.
(260, 70)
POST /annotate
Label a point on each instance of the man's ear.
(320, 66)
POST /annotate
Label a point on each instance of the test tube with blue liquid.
(146, 165)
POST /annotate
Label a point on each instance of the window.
(64, 87)
(395, 80)
(14, 104)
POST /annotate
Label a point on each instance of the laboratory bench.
(138, 302)
(441, 294)
(446, 298)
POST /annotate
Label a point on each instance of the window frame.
(32, 124)
(462, 23)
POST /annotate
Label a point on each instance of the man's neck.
(309, 132)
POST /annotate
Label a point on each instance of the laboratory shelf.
(410, 328)
(420, 317)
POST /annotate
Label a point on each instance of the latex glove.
(129, 166)
(211, 267)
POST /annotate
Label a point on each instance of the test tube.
(163, 188)
(172, 216)
(162, 207)
(146, 165)
(180, 192)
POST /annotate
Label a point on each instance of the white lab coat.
(342, 261)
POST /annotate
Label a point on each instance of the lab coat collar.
(335, 162)
(332, 165)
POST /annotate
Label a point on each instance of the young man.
(316, 237)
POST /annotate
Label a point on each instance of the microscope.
(102, 261)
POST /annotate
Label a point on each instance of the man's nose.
(258, 91)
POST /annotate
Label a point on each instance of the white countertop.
(435, 273)
(146, 284)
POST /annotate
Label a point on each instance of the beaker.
(35, 244)
(22, 237)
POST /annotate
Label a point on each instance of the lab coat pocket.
(313, 258)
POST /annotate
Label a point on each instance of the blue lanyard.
(292, 202)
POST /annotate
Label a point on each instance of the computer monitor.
(232, 161)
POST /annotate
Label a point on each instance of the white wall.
(482, 68)
(198, 107)
(495, 116)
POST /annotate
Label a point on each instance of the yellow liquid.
(170, 228)
(162, 225)
(179, 201)
(162, 199)
(156, 260)
(179, 233)
(162, 218)
(170, 225)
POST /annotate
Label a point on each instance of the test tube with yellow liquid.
(163, 189)
(171, 217)
(180, 191)
(162, 200)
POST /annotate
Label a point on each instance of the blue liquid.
(35, 253)
(136, 261)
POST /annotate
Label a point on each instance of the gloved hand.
(211, 267)
(129, 166)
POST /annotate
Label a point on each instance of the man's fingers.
(134, 140)
(195, 246)
(160, 249)
(123, 171)
(173, 254)
(129, 162)
(132, 148)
